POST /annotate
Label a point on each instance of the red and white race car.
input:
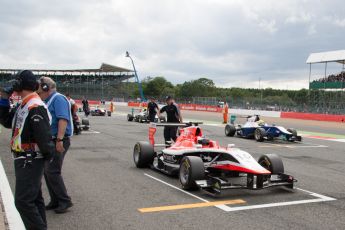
(202, 163)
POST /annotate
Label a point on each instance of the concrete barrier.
(247, 112)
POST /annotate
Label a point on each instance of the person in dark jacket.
(86, 107)
(173, 116)
(152, 108)
(31, 145)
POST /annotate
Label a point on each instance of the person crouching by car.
(173, 116)
(31, 146)
(62, 129)
(153, 109)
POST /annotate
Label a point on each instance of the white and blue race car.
(260, 131)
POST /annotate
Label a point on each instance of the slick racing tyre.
(143, 154)
(260, 134)
(272, 162)
(85, 123)
(130, 117)
(294, 133)
(191, 169)
(230, 130)
(141, 119)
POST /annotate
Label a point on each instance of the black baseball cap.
(25, 80)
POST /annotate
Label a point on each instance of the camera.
(8, 90)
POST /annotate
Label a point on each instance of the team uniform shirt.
(172, 113)
(30, 125)
(60, 108)
(152, 107)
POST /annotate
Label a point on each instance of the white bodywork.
(245, 159)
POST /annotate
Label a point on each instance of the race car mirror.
(152, 131)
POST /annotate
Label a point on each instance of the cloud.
(234, 42)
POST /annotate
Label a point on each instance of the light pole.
(137, 78)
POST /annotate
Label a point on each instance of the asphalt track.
(110, 193)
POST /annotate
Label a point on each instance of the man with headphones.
(62, 129)
(31, 145)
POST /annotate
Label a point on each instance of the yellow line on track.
(187, 206)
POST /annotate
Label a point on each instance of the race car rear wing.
(153, 128)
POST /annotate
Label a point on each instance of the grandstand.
(106, 82)
(333, 81)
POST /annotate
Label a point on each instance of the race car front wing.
(214, 185)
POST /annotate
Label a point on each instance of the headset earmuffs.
(44, 86)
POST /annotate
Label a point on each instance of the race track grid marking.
(90, 131)
(188, 206)
(220, 206)
(319, 198)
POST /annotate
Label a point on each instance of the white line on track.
(14, 220)
(319, 198)
(222, 206)
(90, 131)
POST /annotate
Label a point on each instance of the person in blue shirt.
(62, 129)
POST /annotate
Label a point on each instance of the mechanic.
(62, 129)
(86, 107)
(31, 145)
(173, 116)
(153, 109)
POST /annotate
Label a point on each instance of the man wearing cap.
(152, 108)
(31, 145)
(173, 116)
(62, 129)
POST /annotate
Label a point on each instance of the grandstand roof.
(323, 57)
(105, 68)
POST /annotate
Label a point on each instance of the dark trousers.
(28, 194)
(52, 174)
(152, 117)
(170, 133)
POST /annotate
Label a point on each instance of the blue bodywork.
(268, 132)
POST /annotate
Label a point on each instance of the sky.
(233, 42)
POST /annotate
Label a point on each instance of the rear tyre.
(293, 131)
(191, 169)
(143, 154)
(85, 123)
(272, 162)
(260, 134)
(141, 119)
(230, 130)
(130, 117)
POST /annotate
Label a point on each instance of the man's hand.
(59, 147)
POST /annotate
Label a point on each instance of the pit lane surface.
(108, 190)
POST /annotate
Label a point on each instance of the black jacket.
(36, 128)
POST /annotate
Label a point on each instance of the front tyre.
(143, 154)
(191, 169)
(230, 130)
(272, 162)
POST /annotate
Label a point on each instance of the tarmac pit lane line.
(318, 198)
